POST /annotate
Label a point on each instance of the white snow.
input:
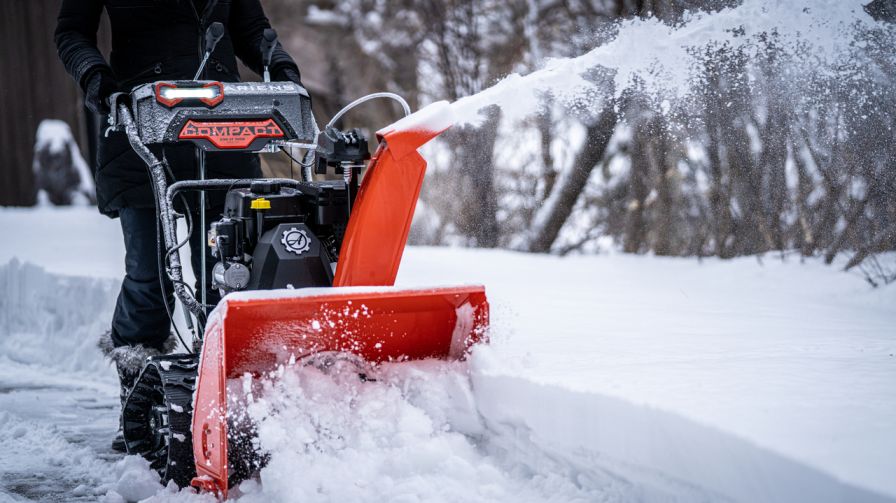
(661, 58)
(609, 377)
(50, 320)
(322, 17)
(52, 134)
(435, 117)
(133, 481)
(91, 244)
(762, 351)
(386, 441)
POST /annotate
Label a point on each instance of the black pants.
(140, 315)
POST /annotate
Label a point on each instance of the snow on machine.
(306, 267)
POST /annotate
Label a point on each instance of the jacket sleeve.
(76, 38)
(246, 25)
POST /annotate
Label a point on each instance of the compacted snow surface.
(609, 378)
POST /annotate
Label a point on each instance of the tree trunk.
(719, 194)
(665, 172)
(556, 210)
(805, 238)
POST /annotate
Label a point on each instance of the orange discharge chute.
(253, 332)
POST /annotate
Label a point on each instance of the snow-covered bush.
(61, 176)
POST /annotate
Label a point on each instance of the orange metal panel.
(381, 218)
(254, 335)
(209, 410)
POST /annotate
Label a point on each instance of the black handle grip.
(213, 35)
(268, 43)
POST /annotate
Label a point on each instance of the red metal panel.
(381, 218)
(209, 410)
(255, 334)
(236, 135)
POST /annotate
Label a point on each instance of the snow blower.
(306, 267)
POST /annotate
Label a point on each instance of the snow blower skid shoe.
(304, 267)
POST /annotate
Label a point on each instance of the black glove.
(286, 74)
(100, 86)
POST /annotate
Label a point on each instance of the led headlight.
(172, 94)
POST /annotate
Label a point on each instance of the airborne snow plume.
(662, 60)
(816, 37)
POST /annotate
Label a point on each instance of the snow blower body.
(306, 267)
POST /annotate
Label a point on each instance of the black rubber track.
(158, 416)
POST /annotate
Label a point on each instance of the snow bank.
(413, 435)
(68, 241)
(796, 358)
(53, 321)
(133, 481)
(664, 454)
(436, 431)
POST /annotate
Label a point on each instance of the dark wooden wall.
(33, 86)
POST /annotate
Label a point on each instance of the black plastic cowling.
(336, 147)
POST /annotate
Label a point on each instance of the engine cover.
(290, 255)
(245, 116)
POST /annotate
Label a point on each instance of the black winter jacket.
(160, 40)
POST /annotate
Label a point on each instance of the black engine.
(274, 236)
(279, 237)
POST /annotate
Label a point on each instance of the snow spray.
(816, 36)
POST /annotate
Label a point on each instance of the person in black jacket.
(155, 40)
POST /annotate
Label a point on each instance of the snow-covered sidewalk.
(612, 378)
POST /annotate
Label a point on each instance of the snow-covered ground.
(609, 378)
